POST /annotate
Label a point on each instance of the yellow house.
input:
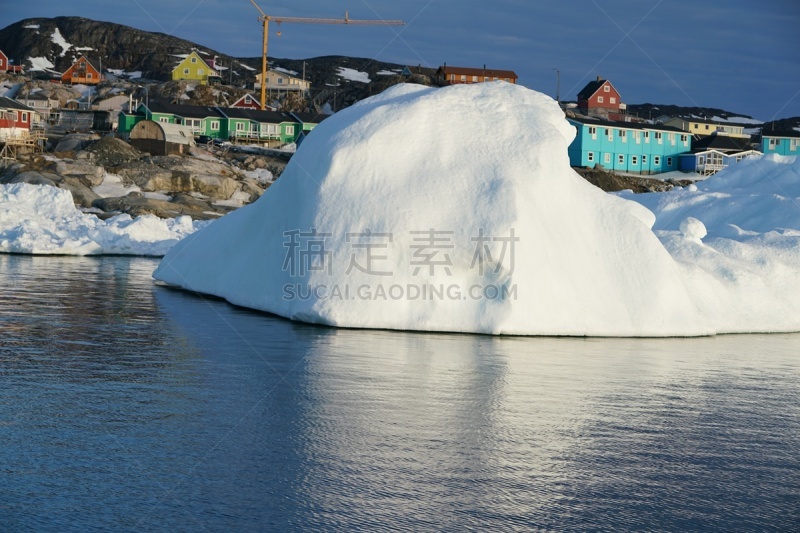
(194, 67)
(282, 81)
(701, 127)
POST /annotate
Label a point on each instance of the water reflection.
(131, 406)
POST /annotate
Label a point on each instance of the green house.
(269, 127)
(203, 120)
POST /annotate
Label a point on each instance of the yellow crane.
(265, 19)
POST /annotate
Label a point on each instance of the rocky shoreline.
(107, 176)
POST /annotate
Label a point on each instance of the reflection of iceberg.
(455, 209)
(467, 190)
(352, 430)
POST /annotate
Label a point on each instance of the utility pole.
(558, 85)
(264, 18)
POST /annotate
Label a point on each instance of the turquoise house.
(783, 142)
(627, 146)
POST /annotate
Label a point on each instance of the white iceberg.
(449, 209)
(40, 219)
(745, 272)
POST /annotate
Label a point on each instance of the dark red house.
(6, 66)
(447, 75)
(15, 119)
(600, 98)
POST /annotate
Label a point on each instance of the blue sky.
(738, 55)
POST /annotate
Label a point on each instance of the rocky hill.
(59, 41)
(653, 111)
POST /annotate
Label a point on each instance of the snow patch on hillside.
(353, 75)
(41, 64)
(58, 39)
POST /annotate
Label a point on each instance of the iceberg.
(43, 220)
(451, 209)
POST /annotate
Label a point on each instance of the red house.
(447, 75)
(6, 66)
(83, 71)
(248, 101)
(15, 119)
(600, 98)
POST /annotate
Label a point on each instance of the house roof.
(183, 110)
(177, 133)
(272, 117)
(628, 125)
(793, 134)
(707, 121)
(472, 71)
(722, 143)
(592, 87)
(310, 118)
(8, 103)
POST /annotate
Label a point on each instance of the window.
(289, 130)
(507, 79)
(215, 125)
(644, 159)
(637, 135)
(701, 160)
(621, 159)
(659, 137)
(186, 71)
(194, 60)
(773, 143)
(657, 160)
(684, 139)
(201, 71)
(669, 161)
(452, 77)
(610, 134)
(474, 78)
(607, 158)
(163, 120)
(647, 137)
(599, 99)
(706, 127)
(634, 160)
(1, 61)
(612, 100)
(671, 138)
(590, 156)
(24, 117)
(463, 77)
(593, 132)
(794, 145)
(280, 81)
(240, 126)
(606, 89)
(89, 76)
(623, 135)
(486, 78)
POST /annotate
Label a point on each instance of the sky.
(739, 55)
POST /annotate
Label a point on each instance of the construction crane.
(265, 19)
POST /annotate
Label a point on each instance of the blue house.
(782, 142)
(627, 146)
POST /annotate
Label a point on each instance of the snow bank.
(736, 237)
(449, 209)
(39, 219)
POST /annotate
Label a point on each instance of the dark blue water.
(126, 406)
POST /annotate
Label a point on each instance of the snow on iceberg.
(39, 219)
(736, 237)
(450, 209)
